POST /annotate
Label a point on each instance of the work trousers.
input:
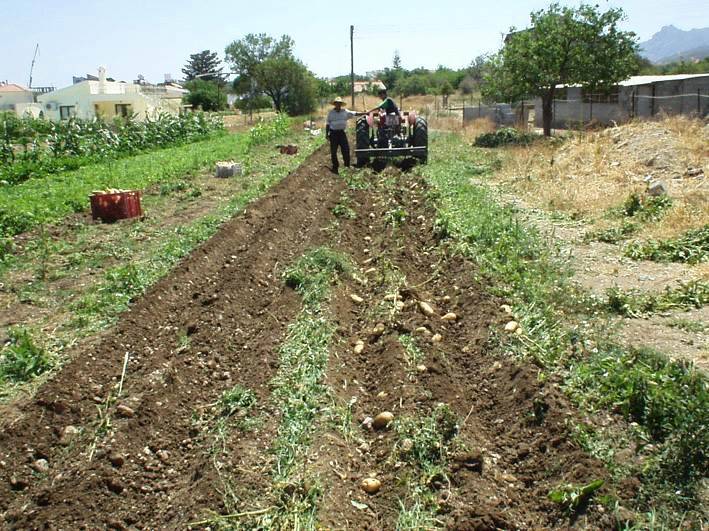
(339, 139)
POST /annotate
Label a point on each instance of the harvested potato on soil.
(511, 327)
(426, 308)
(371, 485)
(378, 330)
(382, 420)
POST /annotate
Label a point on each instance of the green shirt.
(388, 105)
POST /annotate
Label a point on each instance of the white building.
(108, 99)
(18, 99)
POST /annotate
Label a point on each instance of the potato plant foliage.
(31, 148)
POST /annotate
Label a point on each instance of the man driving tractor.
(387, 104)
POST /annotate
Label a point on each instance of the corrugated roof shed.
(646, 80)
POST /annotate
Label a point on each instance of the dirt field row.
(124, 436)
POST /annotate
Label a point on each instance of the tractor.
(381, 135)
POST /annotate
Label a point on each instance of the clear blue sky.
(154, 37)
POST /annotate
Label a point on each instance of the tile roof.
(13, 87)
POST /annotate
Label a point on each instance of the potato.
(511, 327)
(382, 420)
(371, 485)
(359, 347)
(449, 317)
(378, 330)
(426, 308)
(356, 299)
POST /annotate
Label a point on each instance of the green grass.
(48, 200)
(688, 325)
(645, 208)
(666, 399)
(414, 354)
(232, 409)
(691, 248)
(424, 443)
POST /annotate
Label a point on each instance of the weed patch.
(691, 248)
(505, 137)
(636, 303)
(22, 359)
(613, 234)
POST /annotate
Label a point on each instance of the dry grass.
(592, 172)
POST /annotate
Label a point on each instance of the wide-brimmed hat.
(338, 100)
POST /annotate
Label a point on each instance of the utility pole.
(352, 64)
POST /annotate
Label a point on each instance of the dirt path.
(599, 266)
(75, 456)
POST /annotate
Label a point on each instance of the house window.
(601, 95)
(66, 111)
(123, 110)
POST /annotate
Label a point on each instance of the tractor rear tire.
(421, 138)
(362, 140)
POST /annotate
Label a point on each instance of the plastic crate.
(112, 207)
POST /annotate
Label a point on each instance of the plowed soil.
(141, 462)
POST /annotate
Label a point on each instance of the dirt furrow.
(144, 460)
(214, 322)
(512, 447)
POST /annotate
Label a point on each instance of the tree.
(564, 46)
(204, 62)
(396, 63)
(264, 65)
(207, 95)
(244, 56)
(288, 83)
(446, 90)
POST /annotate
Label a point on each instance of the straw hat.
(338, 100)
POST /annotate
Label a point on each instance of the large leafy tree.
(564, 46)
(265, 65)
(204, 65)
(206, 95)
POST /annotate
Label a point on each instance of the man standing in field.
(335, 132)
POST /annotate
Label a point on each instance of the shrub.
(503, 137)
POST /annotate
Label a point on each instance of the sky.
(156, 37)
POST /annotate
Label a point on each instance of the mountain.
(670, 44)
